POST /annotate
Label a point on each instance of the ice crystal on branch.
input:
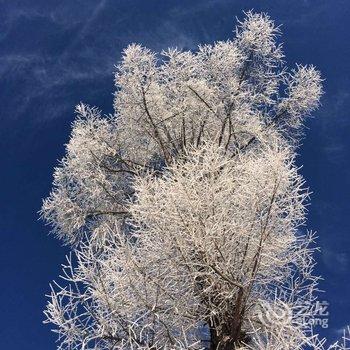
(185, 208)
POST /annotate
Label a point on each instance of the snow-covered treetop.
(185, 207)
(235, 93)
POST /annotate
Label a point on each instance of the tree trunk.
(228, 334)
(226, 340)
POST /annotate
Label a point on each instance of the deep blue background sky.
(55, 53)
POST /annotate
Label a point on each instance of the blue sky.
(56, 53)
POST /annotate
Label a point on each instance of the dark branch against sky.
(56, 53)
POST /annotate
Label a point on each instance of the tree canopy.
(185, 209)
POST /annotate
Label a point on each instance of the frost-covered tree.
(185, 209)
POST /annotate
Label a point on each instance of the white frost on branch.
(185, 207)
(92, 179)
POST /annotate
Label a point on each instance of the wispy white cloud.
(95, 12)
(51, 71)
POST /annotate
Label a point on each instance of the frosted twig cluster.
(185, 208)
